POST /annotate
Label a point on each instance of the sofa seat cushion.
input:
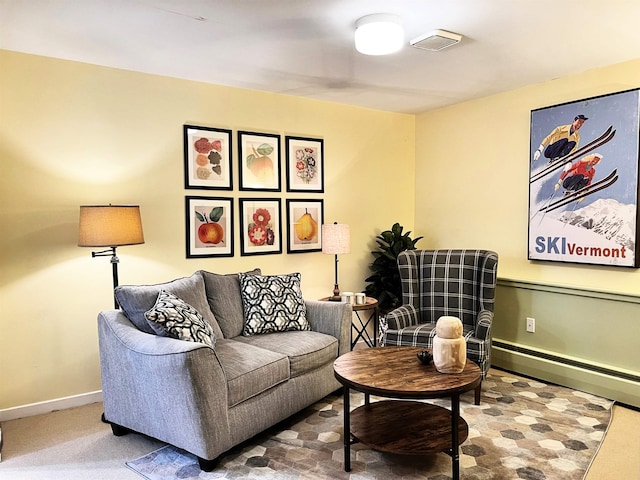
(306, 350)
(250, 370)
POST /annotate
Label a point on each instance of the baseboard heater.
(565, 361)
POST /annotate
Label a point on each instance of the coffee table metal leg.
(455, 450)
(347, 430)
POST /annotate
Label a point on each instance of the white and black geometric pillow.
(173, 317)
(272, 303)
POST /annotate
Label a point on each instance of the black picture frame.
(259, 161)
(208, 154)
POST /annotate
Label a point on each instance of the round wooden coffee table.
(403, 426)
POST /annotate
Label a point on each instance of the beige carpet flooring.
(619, 455)
(75, 445)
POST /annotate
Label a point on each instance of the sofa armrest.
(165, 388)
(483, 325)
(332, 318)
(401, 317)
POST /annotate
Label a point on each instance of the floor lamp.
(336, 239)
(110, 226)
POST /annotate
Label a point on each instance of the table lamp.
(336, 239)
(110, 226)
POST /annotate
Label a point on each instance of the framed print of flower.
(209, 227)
(260, 226)
(207, 158)
(305, 164)
(259, 161)
(304, 219)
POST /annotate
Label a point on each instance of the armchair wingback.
(459, 283)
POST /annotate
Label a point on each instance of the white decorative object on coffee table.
(449, 346)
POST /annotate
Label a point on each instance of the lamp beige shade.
(336, 238)
(110, 226)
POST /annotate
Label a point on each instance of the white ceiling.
(305, 47)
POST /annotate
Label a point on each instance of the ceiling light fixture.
(379, 34)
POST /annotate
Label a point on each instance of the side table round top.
(397, 372)
(369, 303)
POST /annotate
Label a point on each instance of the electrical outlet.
(531, 325)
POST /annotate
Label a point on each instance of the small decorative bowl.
(425, 357)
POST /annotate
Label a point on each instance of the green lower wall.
(584, 339)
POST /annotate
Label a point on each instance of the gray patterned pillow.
(173, 317)
(272, 303)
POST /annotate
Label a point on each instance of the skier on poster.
(578, 175)
(563, 140)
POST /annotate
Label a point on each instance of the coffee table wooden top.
(397, 372)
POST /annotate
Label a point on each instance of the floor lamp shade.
(110, 226)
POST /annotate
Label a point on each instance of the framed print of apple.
(207, 158)
(260, 226)
(259, 161)
(209, 227)
(304, 218)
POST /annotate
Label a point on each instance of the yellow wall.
(472, 167)
(73, 134)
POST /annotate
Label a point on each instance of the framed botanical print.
(259, 161)
(207, 158)
(260, 226)
(304, 221)
(209, 227)
(305, 164)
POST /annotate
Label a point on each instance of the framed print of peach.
(207, 158)
(209, 227)
(259, 161)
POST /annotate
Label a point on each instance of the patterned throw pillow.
(272, 303)
(173, 317)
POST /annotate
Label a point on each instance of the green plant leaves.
(384, 284)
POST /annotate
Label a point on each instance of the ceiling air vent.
(436, 40)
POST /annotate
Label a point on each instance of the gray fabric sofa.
(207, 400)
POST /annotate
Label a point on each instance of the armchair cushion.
(272, 303)
(225, 300)
(173, 317)
(135, 300)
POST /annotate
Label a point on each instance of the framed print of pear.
(207, 157)
(259, 161)
(209, 226)
(304, 218)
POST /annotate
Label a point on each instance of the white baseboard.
(50, 406)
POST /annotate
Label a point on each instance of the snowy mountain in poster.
(606, 217)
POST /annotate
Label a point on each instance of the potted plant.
(384, 284)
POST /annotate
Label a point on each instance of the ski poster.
(583, 181)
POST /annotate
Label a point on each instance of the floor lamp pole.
(114, 268)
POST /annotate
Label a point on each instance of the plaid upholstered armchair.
(460, 283)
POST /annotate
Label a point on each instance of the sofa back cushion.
(135, 300)
(225, 301)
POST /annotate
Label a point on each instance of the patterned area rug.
(523, 429)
